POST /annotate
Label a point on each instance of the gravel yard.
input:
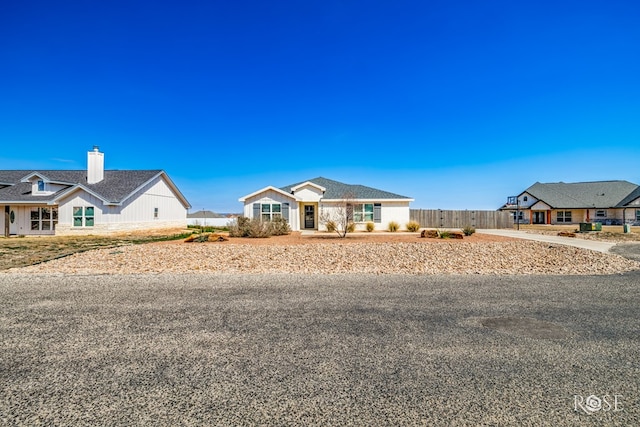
(368, 254)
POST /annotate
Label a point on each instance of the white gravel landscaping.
(467, 258)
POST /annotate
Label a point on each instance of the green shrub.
(370, 226)
(393, 226)
(331, 226)
(351, 227)
(444, 234)
(413, 226)
(468, 230)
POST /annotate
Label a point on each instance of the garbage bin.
(585, 226)
(627, 228)
(597, 226)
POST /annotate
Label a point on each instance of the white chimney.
(95, 165)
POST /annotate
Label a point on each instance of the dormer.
(43, 186)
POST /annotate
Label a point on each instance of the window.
(563, 216)
(519, 216)
(363, 212)
(155, 213)
(83, 216)
(638, 215)
(40, 185)
(525, 198)
(601, 214)
(270, 211)
(44, 219)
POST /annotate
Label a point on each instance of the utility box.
(627, 228)
(590, 226)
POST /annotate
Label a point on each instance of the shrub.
(246, 227)
(331, 226)
(351, 227)
(444, 234)
(413, 226)
(468, 230)
(279, 227)
(393, 226)
(370, 226)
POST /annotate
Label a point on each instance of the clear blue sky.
(457, 104)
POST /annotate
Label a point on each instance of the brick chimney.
(95, 165)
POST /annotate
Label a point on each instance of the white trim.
(313, 184)
(270, 188)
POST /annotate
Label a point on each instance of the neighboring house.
(608, 202)
(92, 201)
(306, 203)
(210, 218)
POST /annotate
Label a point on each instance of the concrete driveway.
(370, 350)
(569, 241)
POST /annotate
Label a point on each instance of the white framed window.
(155, 213)
(40, 185)
(601, 214)
(269, 211)
(83, 216)
(518, 216)
(563, 216)
(363, 212)
(44, 219)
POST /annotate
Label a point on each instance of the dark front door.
(538, 217)
(309, 216)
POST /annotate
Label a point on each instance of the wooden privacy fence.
(437, 218)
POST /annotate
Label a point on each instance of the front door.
(538, 217)
(309, 216)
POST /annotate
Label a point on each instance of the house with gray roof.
(92, 201)
(607, 202)
(307, 204)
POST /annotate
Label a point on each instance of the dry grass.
(24, 251)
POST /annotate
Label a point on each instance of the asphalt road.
(320, 350)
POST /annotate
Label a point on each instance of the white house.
(305, 204)
(92, 201)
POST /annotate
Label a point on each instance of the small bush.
(331, 226)
(279, 227)
(246, 227)
(468, 230)
(413, 226)
(444, 234)
(393, 226)
(351, 227)
(370, 226)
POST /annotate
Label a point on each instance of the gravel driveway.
(319, 350)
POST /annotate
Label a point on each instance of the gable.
(580, 195)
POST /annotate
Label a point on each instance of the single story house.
(92, 201)
(607, 202)
(307, 204)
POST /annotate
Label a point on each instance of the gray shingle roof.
(340, 190)
(582, 195)
(114, 188)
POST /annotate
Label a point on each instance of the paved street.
(319, 350)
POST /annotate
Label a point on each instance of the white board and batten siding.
(138, 211)
(271, 197)
(384, 213)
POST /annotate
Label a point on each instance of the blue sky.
(456, 104)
